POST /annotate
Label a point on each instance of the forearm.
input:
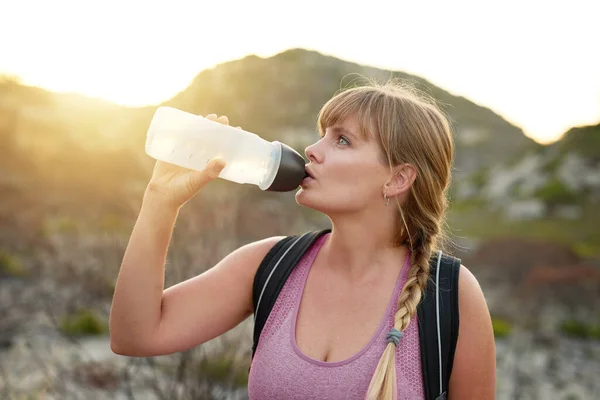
(136, 308)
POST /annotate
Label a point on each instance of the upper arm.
(474, 369)
(208, 305)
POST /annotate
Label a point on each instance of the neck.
(362, 245)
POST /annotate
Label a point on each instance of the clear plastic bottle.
(191, 141)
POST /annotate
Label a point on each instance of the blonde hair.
(410, 129)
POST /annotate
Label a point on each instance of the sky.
(536, 63)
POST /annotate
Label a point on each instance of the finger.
(238, 127)
(214, 167)
(223, 119)
(212, 117)
(210, 172)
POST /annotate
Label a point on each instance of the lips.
(307, 173)
(308, 178)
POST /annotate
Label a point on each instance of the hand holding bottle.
(176, 184)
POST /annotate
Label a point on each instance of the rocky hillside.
(558, 179)
(550, 193)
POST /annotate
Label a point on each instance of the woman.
(380, 172)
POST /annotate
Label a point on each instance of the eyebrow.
(342, 130)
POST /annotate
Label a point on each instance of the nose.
(312, 153)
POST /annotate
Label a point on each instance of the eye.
(343, 140)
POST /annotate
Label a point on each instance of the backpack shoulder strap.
(273, 273)
(438, 325)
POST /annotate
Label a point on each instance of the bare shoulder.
(252, 251)
(243, 264)
(468, 285)
(474, 369)
(472, 306)
(258, 248)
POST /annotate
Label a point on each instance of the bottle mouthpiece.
(291, 171)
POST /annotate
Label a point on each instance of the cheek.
(358, 182)
(360, 174)
(350, 166)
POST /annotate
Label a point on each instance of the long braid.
(383, 383)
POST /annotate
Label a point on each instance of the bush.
(501, 327)
(83, 322)
(580, 329)
(11, 265)
(574, 328)
(594, 332)
(586, 249)
(555, 192)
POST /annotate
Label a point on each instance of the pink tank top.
(281, 371)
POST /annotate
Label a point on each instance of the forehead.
(352, 125)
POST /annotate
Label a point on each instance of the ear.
(401, 181)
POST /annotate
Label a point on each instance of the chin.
(310, 199)
(301, 196)
(306, 198)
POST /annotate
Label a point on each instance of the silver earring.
(387, 200)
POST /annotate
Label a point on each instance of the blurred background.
(80, 81)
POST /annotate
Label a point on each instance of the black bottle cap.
(291, 170)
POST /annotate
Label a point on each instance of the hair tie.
(394, 335)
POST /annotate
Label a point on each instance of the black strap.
(449, 322)
(273, 273)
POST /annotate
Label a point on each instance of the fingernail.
(219, 164)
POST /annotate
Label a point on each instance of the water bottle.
(191, 141)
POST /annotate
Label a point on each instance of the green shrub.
(594, 332)
(501, 327)
(11, 265)
(585, 249)
(83, 322)
(580, 329)
(555, 192)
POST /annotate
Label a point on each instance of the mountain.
(583, 141)
(281, 96)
